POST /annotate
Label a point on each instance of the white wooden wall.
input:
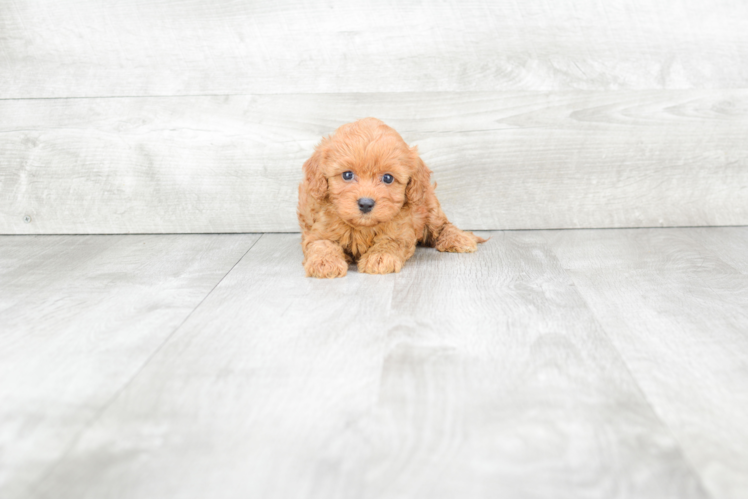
(192, 116)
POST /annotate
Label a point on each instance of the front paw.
(379, 263)
(326, 267)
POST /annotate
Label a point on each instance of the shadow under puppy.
(367, 198)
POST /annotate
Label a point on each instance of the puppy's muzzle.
(365, 205)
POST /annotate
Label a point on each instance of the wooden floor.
(550, 363)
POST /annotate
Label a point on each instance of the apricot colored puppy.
(366, 198)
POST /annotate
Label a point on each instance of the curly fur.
(334, 232)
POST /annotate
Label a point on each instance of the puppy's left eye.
(387, 179)
(347, 175)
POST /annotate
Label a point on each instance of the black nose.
(365, 205)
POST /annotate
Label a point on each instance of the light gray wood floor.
(549, 363)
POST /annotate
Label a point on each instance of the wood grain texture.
(79, 317)
(86, 48)
(500, 379)
(503, 160)
(465, 375)
(675, 304)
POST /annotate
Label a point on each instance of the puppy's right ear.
(315, 180)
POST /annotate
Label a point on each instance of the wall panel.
(86, 48)
(503, 160)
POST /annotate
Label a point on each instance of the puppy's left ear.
(419, 183)
(315, 180)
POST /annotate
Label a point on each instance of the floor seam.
(626, 366)
(117, 394)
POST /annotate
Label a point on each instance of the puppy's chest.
(357, 242)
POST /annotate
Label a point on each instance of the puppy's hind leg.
(439, 232)
(445, 236)
(452, 239)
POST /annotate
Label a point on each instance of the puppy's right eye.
(347, 175)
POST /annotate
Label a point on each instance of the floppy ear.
(315, 180)
(419, 182)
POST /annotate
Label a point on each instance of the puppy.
(366, 198)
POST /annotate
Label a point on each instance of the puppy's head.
(366, 172)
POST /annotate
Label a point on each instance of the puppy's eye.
(347, 175)
(387, 179)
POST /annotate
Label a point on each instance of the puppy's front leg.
(387, 254)
(324, 259)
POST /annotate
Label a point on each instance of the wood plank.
(291, 362)
(86, 48)
(465, 375)
(79, 317)
(503, 160)
(501, 383)
(729, 244)
(675, 304)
